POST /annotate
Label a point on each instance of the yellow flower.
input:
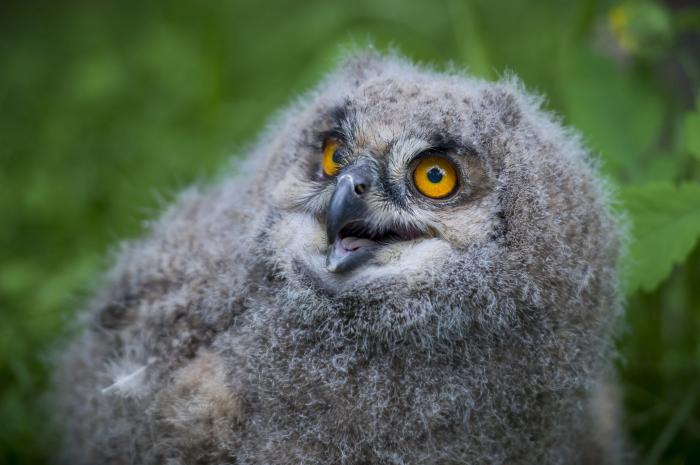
(619, 21)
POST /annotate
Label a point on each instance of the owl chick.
(411, 267)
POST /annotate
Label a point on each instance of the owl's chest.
(336, 397)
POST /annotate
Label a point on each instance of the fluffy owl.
(411, 267)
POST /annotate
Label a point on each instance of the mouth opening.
(356, 243)
(356, 235)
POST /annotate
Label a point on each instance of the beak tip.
(331, 259)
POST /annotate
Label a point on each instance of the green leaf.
(665, 228)
(691, 134)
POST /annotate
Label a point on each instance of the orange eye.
(330, 162)
(435, 177)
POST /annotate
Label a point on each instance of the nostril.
(360, 188)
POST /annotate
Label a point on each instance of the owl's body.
(469, 327)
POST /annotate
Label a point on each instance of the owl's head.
(406, 201)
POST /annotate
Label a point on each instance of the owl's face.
(411, 196)
(386, 186)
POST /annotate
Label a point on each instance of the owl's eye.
(435, 177)
(331, 159)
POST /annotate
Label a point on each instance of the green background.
(109, 107)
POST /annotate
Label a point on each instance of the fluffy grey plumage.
(480, 332)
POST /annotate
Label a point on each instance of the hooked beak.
(348, 206)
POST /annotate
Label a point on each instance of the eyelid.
(332, 134)
(432, 152)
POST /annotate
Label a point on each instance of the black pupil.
(336, 156)
(435, 175)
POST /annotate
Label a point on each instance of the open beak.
(344, 219)
(352, 241)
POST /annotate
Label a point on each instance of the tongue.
(354, 243)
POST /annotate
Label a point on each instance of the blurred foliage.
(666, 227)
(106, 107)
